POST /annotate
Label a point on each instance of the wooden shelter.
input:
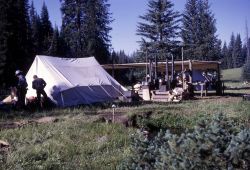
(179, 66)
(169, 68)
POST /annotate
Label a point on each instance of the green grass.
(232, 74)
(187, 114)
(233, 82)
(71, 144)
(76, 141)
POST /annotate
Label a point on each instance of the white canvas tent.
(73, 81)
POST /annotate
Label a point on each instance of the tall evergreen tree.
(224, 54)
(199, 31)
(159, 27)
(3, 37)
(97, 28)
(207, 32)
(46, 29)
(246, 67)
(244, 53)
(231, 51)
(190, 28)
(73, 19)
(15, 37)
(57, 47)
(85, 28)
(36, 30)
(238, 59)
(218, 50)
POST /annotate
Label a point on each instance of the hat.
(17, 72)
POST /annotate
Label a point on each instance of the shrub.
(219, 144)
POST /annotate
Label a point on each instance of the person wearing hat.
(21, 88)
(39, 84)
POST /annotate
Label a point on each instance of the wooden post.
(172, 71)
(218, 71)
(156, 63)
(150, 70)
(182, 67)
(166, 75)
(113, 113)
(219, 87)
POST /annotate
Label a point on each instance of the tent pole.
(62, 99)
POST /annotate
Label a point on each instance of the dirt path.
(119, 117)
(18, 124)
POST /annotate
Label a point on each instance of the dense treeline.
(24, 33)
(164, 31)
(234, 54)
(85, 32)
(162, 27)
(14, 37)
(85, 28)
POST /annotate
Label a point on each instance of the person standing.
(39, 84)
(21, 89)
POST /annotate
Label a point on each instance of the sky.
(230, 15)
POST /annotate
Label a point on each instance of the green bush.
(218, 144)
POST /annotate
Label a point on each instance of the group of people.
(38, 84)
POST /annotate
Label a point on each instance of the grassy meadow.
(79, 140)
(232, 74)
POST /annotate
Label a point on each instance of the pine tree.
(238, 59)
(159, 27)
(246, 67)
(190, 28)
(3, 37)
(206, 34)
(46, 30)
(199, 31)
(15, 49)
(85, 28)
(36, 36)
(97, 21)
(217, 50)
(73, 12)
(231, 51)
(244, 53)
(224, 54)
(57, 46)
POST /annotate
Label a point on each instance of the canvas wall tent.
(73, 81)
